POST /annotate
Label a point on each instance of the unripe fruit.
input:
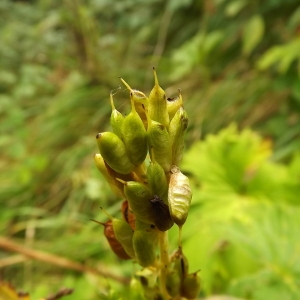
(141, 110)
(114, 152)
(140, 102)
(157, 179)
(157, 108)
(179, 196)
(180, 264)
(173, 283)
(138, 196)
(177, 130)
(115, 185)
(144, 248)
(156, 194)
(173, 104)
(123, 233)
(191, 286)
(159, 140)
(115, 245)
(138, 96)
(110, 175)
(150, 229)
(134, 136)
(116, 118)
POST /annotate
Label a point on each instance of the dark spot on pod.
(98, 135)
(173, 99)
(144, 281)
(183, 267)
(158, 297)
(125, 210)
(162, 217)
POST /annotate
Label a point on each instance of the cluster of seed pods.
(140, 160)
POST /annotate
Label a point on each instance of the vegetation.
(237, 65)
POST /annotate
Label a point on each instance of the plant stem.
(180, 237)
(61, 261)
(165, 260)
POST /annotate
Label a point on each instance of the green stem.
(165, 260)
(180, 237)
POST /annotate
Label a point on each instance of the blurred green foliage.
(245, 217)
(234, 60)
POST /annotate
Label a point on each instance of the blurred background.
(237, 63)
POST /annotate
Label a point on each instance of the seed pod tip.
(155, 77)
(109, 216)
(112, 101)
(98, 222)
(126, 84)
(122, 181)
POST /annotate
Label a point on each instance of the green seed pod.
(173, 104)
(124, 234)
(177, 129)
(115, 186)
(144, 243)
(115, 245)
(140, 102)
(116, 118)
(110, 175)
(179, 196)
(138, 96)
(114, 152)
(150, 229)
(191, 286)
(162, 217)
(180, 264)
(159, 140)
(173, 283)
(134, 136)
(157, 108)
(141, 110)
(138, 196)
(157, 179)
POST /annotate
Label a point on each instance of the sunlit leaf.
(281, 56)
(241, 211)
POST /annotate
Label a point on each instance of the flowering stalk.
(140, 160)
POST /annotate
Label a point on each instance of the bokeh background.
(237, 63)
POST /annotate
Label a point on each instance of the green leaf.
(282, 56)
(234, 7)
(253, 33)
